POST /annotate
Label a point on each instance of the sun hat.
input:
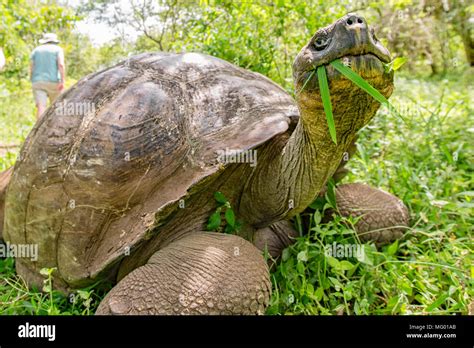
(49, 37)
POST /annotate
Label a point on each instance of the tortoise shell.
(114, 154)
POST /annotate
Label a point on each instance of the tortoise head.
(351, 40)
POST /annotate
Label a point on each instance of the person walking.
(47, 72)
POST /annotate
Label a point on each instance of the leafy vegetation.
(426, 160)
(16, 298)
(215, 223)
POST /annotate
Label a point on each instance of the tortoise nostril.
(354, 19)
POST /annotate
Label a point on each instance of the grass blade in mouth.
(356, 79)
(307, 80)
(324, 89)
(360, 82)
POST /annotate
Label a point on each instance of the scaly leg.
(201, 273)
(275, 238)
(383, 217)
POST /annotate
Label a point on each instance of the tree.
(458, 13)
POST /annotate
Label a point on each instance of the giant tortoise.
(122, 192)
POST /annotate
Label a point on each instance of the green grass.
(16, 119)
(16, 298)
(426, 161)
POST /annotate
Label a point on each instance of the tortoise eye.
(321, 43)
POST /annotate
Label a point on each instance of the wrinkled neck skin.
(291, 171)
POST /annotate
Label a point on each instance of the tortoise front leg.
(201, 273)
(382, 217)
(275, 238)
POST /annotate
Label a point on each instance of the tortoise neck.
(291, 170)
(312, 158)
